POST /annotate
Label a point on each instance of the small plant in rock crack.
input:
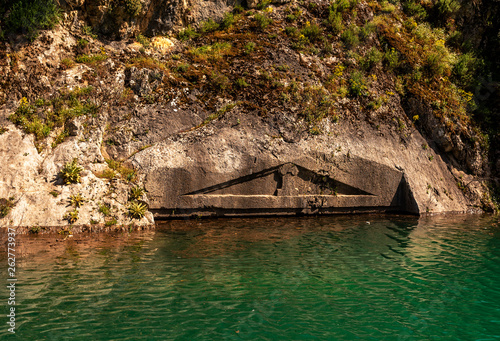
(70, 173)
(136, 210)
(136, 193)
(104, 209)
(76, 200)
(72, 216)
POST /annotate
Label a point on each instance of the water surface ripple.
(328, 278)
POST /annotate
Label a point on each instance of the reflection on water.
(321, 278)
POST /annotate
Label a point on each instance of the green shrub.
(372, 58)
(219, 81)
(262, 21)
(238, 9)
(291, 31)
(104, 209)
(413, 8)
(90, 59)
(213, 52)
(263, 4)
(181, 68)
(436, 64)
(187, 34)
(28, 17)
(227, 21)
(357, 84)
(388, 7)
(209, 26)
(40, 120)
(60, 138)
(133, 7)
(144, 41)
(283, 68)
(82, 43)
(350, 37)
(342, 5)
(447, 8)
(377, 102)
(391, 58)
(464, 69)
(70, 173)
(136, 193)
(72, 216)
(335, 22)
(76, 200)
(67, 63)
(311, 31)
(137, 210)
(241, 83)
(88, 31)
(366, 31)
(249, 47)
(126, 172)
(111, 222)
(34, 229)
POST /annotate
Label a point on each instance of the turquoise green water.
(335, 278)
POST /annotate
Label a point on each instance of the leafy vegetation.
(133, 7)
(90, 58)
(125, 171)
(262, 21)
(29, 17)
(187, 34)
(76, 200)
(104, 209)
(136, 193)
(70, 173)
(43, 116)
(72, 216)
(5, 206)
(137, 210)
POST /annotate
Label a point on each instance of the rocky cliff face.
(272, 111)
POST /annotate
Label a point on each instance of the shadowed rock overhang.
(296, 187)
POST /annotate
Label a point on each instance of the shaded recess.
(300, 187)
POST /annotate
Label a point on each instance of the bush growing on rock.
(76, 200)
(71, 172)
(133, 7)
(29, 17)
(136, 192)
(357, 84)
(72, 216)
(262, 21)
(137, 210)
